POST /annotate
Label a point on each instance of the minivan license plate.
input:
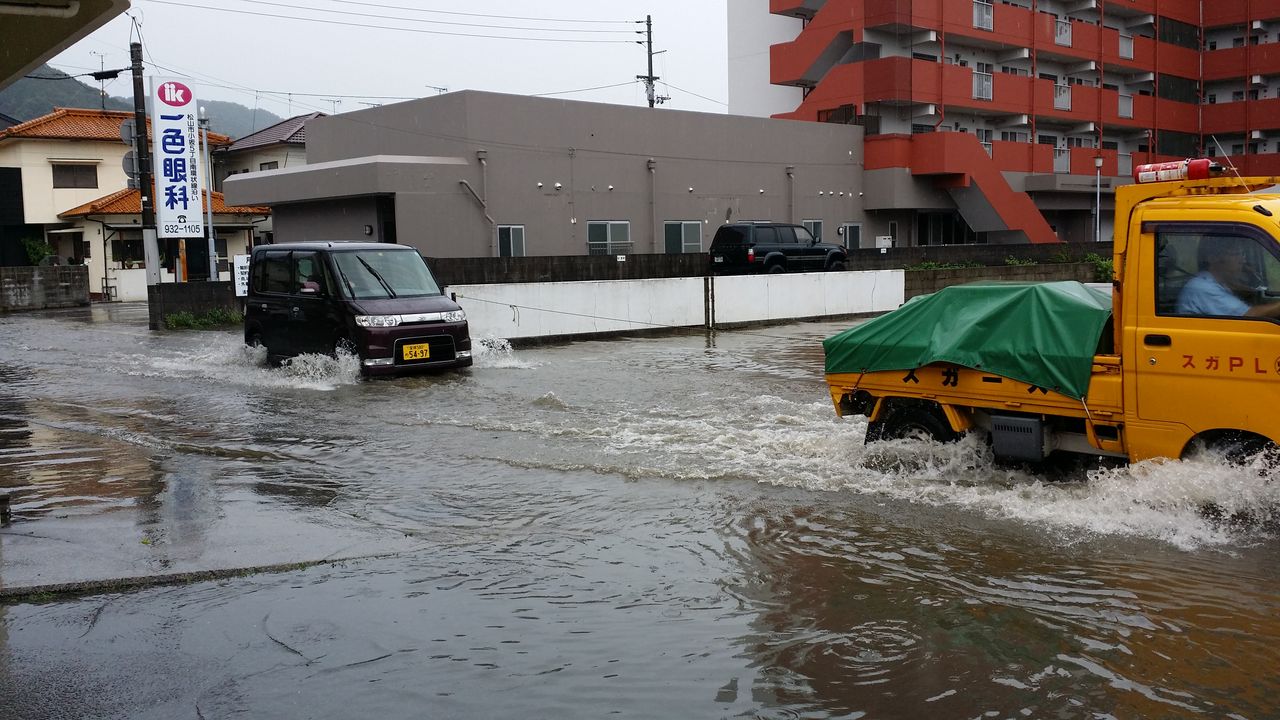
(419, 351)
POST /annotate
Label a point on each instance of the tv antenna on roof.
(439, 90)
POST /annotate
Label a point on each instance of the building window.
(1013, 136)
(814, 227)
(75, 176)
(983, 15)
(126, 249)
(510, 241)
(982, 81)
(273, 165)
(683, 236)
(1237, 96)
(1213, 99)
(608, 237)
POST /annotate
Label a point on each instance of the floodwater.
(665, 527)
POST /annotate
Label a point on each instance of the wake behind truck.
(1061, 367)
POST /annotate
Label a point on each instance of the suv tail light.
(751, 255)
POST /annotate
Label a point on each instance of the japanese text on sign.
(179, 211)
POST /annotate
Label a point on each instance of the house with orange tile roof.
(62, 180)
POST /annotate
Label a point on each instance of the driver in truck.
(1210, 292)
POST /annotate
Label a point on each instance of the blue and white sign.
(179, 212)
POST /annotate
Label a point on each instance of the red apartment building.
(1011, 105)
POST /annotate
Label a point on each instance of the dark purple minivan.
(376, 300)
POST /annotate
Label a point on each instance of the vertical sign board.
(179, 213)
(240, 274)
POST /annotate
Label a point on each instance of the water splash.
(493, 352)
(228, 360)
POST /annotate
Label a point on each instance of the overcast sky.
(253, 51)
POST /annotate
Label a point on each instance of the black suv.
(772, 248)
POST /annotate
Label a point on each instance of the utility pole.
(650, 78)
(150, 247)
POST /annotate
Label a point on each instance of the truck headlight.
(453, 316)
(377, 321)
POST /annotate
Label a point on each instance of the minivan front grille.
(442, 349)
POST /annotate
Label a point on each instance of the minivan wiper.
(385, 285)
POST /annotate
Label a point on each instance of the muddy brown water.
(672, 527)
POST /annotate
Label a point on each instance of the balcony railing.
(1062, 97)
(1062, 33)
(1124, 106)
(1062, 160)
(982, 83)
(983, 15)
(1126, 47)
(611, 247)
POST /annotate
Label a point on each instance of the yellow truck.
(1183, 355)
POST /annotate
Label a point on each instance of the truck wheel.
(836, 266)
(776, 268)
(1237, 449)
(912, 421)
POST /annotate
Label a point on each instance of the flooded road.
(672, 527)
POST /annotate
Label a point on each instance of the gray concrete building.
(476, 174)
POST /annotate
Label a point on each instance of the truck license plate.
(418, 351)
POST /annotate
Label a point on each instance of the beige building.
(62, 182)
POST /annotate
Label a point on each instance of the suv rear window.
(767, 235)
(730, 234)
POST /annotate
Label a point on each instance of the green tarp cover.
(1044, 334)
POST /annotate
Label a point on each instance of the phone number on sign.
(183, 229)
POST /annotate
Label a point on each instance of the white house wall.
(41, 201)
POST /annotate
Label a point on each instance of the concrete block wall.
(987, 255)
(196, 298)
(37, 288)
(923, 282)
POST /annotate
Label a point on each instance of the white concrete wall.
(530, 310)
(41, 202)
(526, 310)
(749, 298)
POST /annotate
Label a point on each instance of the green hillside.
(29, 98)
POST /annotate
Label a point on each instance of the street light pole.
(1097, 201)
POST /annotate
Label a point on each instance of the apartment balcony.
(904, 82)
(1237, 117)
(1187, 11)
(1231, 63)
(1237, 12)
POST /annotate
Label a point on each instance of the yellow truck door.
(1201, 361)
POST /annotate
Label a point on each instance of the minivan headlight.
(453, 316)
(377, 321)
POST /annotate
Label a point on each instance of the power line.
(690, 92)
(432, 22)
(481, 15)
(599, 87)
(387, 27)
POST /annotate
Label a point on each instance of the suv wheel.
(776, 268)
(836, 265)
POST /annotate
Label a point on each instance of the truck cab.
(1188, 358)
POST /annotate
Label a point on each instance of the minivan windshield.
(373, 274)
